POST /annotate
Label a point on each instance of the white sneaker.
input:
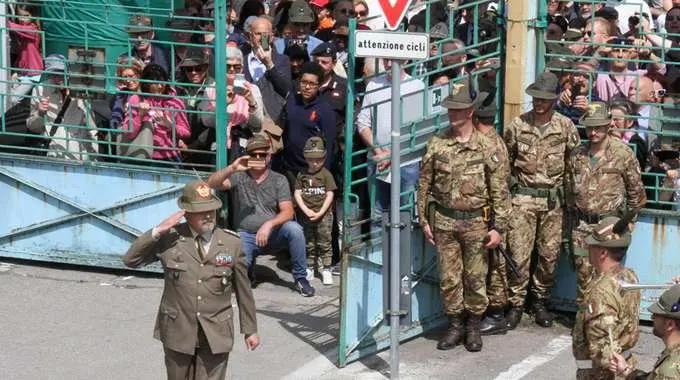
(326, 277)
(310, 274)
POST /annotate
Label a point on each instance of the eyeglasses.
(672, 18)
(234, 67)
(305, 83)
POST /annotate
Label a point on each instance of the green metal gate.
(363, 328)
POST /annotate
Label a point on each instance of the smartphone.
(575, 91)
(254, 163)
(239, 84)
(665, 155)
(264, 42)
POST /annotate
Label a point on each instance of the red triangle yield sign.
(394, 14)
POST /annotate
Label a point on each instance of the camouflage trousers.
(463, 266)
(319, 241)
(532, 225)
(497, 280)
(584, 270)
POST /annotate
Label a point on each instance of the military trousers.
(584, 270)
(532, 224)
(463, 266)
(497, 280)
(319, 240)
(202, 365)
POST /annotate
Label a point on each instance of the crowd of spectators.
(623, 53)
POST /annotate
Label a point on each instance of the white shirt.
(256, 67)
(377, 105)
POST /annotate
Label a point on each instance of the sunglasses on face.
(672, 18)
(195, 69)
(234, 67)
(259, 155)
(362, 13)
(347, 12)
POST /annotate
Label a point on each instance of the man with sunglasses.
(607, 321)
(141, 32)
(604, 179)
(666, 319)
(264, 210)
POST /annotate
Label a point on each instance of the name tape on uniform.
(381, 44)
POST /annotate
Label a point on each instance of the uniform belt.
(588, 364)
(458, 214)
(538, 193)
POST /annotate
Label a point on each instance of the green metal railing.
(92, 35)
(667, 112)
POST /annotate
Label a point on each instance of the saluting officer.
(607, 320)
(203, 265)
(539, 144)
(461, 179)
(604, 181)
(666, 317)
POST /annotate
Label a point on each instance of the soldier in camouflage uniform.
(607, 320)
(604, 180)
(539, 143)
(461, 179)
(497, 282)
(666, 317)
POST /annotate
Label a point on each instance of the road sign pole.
(395, 222)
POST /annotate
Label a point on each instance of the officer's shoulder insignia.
(456, 88)
(232, 233)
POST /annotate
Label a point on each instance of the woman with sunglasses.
(158, 110)
(361, 10)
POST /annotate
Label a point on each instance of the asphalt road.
(60, 322)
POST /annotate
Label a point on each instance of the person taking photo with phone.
(264, 210)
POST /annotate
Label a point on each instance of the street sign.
(394, 45)
(394, 11)
(436, 97)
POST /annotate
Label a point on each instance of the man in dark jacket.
(140, 30)
(267, 69)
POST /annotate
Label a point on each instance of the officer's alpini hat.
(603, 234)
(257, 142)
(597, 115)
(545, 87)
(462, 97)
(198, 197)
(314, 148)
(300, 11)
(668, 305)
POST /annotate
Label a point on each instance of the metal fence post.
(395, 222)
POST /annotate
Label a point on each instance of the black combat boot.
(514, 316)
(453, 334)
(494, 322)
(543, 317)
(473, 339)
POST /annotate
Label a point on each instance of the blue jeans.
(289, 236)
(409, 179)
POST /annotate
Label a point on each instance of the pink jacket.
(162, 136)
(29, 38)
(238, 111)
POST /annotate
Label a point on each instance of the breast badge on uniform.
(224, 261)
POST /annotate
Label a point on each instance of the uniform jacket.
(609, 186)
(75, 138)
(667, 367)
(538, 158)
(197, 291)
(607, 321)
(464, 177)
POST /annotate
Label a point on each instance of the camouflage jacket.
(613, 183)
(667, 367)
(607, 321)
(538, 155)
(464, 177)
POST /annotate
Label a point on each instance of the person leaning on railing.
(155, 119)
(67, 123)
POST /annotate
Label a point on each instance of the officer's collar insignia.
(456, 88)
(203, 191)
